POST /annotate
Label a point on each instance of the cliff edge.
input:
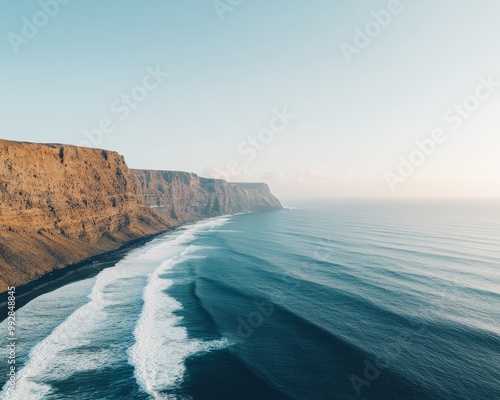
(61, 204)
(182, 196)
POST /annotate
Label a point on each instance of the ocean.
(383, 300)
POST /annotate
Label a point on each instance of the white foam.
(46, 360)
(162, 346)
(62, 353)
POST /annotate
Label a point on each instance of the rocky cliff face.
(183, 196)
(61, 204)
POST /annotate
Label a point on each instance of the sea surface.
(340, 300)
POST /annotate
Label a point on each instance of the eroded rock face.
(184, 196)
(60, 204)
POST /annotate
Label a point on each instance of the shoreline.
(87, 268)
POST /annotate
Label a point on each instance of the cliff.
(60, 204)
(184, 196)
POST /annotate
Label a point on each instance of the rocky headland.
(61, 204)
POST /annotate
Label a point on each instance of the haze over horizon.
(373, 98)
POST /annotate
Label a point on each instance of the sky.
(322, 98)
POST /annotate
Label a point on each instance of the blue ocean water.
(340, 300)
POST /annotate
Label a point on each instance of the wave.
(161, 344)
(65, 350)
(52, 360)
(74, 346)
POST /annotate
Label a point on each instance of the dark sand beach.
(60, 277)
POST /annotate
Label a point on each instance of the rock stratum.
(61, 204)
(184, 196)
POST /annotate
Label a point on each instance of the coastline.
(87, 268)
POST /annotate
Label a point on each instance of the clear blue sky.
(230, 72)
